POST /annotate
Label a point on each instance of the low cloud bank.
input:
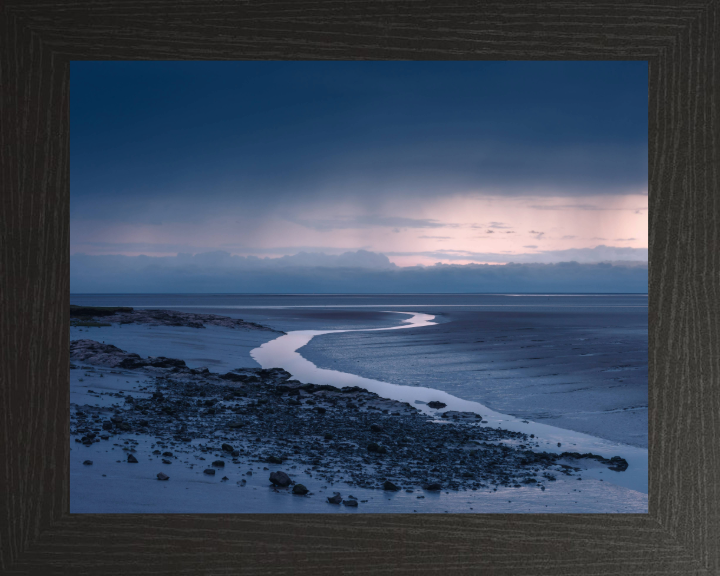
(352, 272)
(594, 255)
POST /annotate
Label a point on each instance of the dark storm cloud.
(167, 142)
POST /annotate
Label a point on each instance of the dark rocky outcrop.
(126, 315)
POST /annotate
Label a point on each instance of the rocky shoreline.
(227, 422)
(105, 316)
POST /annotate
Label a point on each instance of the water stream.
(283, 353)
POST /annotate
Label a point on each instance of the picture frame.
(680, 534)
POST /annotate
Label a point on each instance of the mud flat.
(208, 431)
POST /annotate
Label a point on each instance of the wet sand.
(583, 370)
(134, 488)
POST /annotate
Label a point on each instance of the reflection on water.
(283, 353)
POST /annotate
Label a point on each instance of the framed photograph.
(359, 288)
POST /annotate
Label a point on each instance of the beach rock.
(166, 454)
(219, 463)
(227, 448)
(274, 460)
(328, 436)
(390, 486)
(336, 499)
(235, 424)
(350, 503)
(107, 425)
(455, 415)
(436, 405)
(209, 471)
(373, 447)
(300, 489)
(618, 464)
(433, 487)
(88, 462)
(131, 459)
(280, 479)
(376, 428)
(234, 377)
(116, 419)
(166, 461)
(162, 476)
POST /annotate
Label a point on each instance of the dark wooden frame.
(680, 535)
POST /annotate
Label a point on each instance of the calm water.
(233, 301)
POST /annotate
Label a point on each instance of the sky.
(380, 165)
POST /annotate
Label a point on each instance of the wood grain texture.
(681, 535)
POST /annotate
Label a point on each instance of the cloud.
(624, 239)
(437, 237)
(582, 207)
(538, 235)
(530, 246)
(317, 132)
(157, 247)
(356, 222)
(356, 273)
(597, 254)
(222, 260)
(568, 237)
(490, 232)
